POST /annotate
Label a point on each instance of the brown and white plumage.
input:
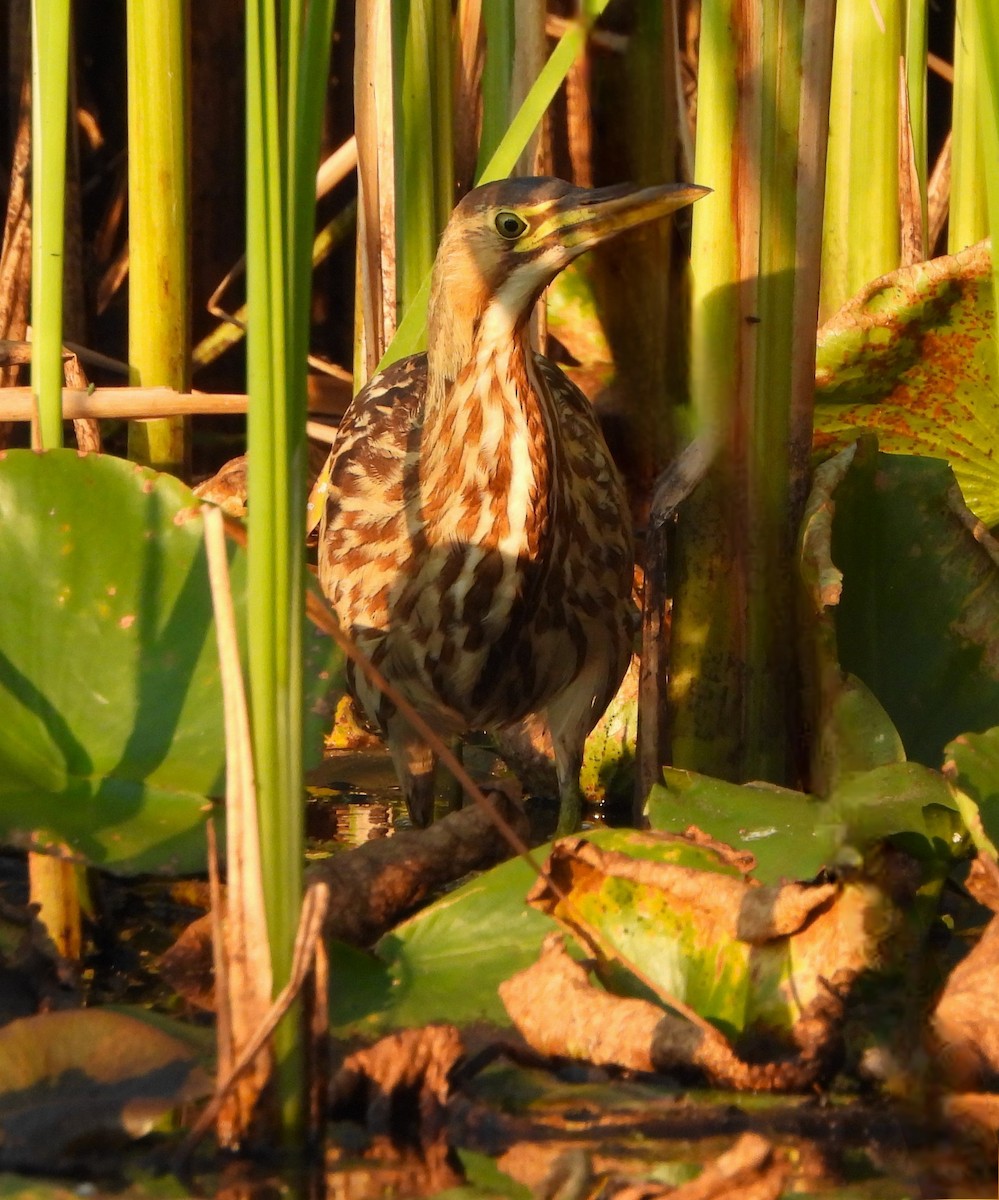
(476, 540)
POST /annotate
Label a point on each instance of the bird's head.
(506, 241)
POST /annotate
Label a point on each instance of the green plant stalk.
(423, 145)
(770, 707)
(569, 47)
(287, 64)
(159, 306)
(861, 224)
(272, 615)
(500, 27)
(304, 136)
(915, 81)
(55, 886)
(968, 220)
(50, 82)
(988, 111)
(411, 333)
(706, 632)
(732, 702)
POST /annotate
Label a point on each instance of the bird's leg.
(570, 798)
(570, 718)
(416, 765)
(448, 788)
(568, 736)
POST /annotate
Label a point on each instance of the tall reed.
(159, 319)
(287, 57)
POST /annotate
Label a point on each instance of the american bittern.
(476, 540)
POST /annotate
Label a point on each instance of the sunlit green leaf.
(793, 836)
(608, 772)
(446, 962)
(790, 834)
(912, 359)
(973, 766)
(111, 732)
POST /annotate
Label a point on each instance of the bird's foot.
(570, 810)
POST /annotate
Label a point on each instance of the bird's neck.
(488, 440)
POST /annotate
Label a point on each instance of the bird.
(476, 540)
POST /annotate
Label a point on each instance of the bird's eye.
(509, 225)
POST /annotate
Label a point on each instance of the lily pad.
(111, 729)
(447, 962)
(913, 359)
(788, 833)
(918, 616)
(793, 836)
(972, 765)
(745, 957)
(71, 1077)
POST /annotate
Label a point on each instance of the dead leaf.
(729, 906)
(709, 943)
(560, 1013)
(983, 881)
(965, 1025)
(402, 1080)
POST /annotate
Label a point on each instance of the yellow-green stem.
(968, 221)
(52, 885)
(50, 74)
(422, 71)
(159, 280)
(861, 227)
(762, 72)
(287, 65)
(988, 112)
(916, 34)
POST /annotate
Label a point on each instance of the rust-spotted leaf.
(912, 358)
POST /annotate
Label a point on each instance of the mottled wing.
(594, 548)
(600, 523)
(363, 525)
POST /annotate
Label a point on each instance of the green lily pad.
(68, 1077)
(793, 836)
(918, 617)
(447, 962)
(913, 359)
(788, 833)
(972, 765)
(904, 802)
(691, 929)
(111, 729)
